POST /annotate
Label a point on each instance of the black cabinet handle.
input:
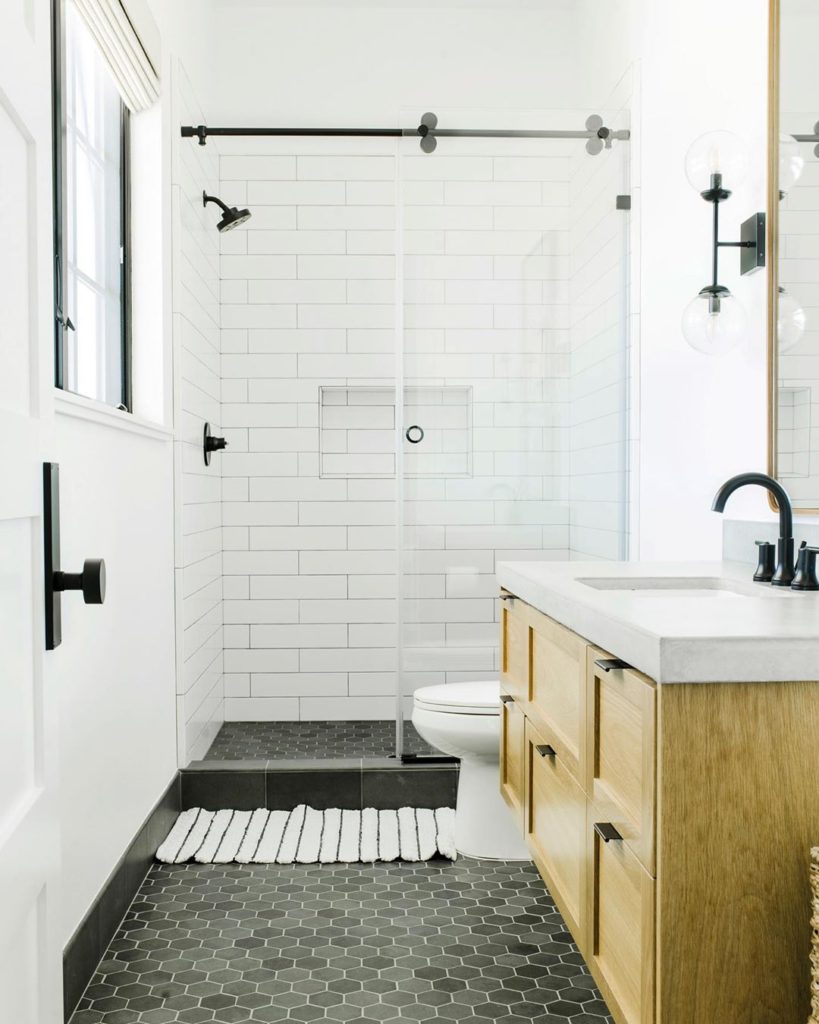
(507, 597)
(606, 831)
(546, 750)
(506, 699)
(91, 581)
(607, 664)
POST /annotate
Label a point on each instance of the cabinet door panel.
(557, 698)
(621, 926)
(556, 829)
(512, 755)
(621, 737)
(515, 647)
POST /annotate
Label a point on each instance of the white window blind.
(119, 44)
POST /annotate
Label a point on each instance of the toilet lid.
(479, 698)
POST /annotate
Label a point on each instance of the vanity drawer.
(558, 689)
(512, 755)
(621, 738)
(514, 646)
(621, 925)
(556, 829)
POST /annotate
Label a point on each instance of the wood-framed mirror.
(793, 251)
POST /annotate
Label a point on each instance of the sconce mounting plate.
(752, 236)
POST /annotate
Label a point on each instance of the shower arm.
(214, 199)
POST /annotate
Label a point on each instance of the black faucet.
(784, 572)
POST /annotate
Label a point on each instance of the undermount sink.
(675, 584)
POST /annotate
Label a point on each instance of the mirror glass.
(794, 344)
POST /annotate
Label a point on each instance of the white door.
(30, 957)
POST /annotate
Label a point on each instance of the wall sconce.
(714, 321)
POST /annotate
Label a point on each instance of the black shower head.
(231, 216)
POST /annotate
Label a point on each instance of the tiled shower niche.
(357, 431)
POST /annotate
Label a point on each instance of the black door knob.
(91, 581)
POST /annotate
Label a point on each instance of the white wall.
(701, 419)
(114, 671)
(346, 64)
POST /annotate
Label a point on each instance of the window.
(91, 223)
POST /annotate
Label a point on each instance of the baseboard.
(87, 945)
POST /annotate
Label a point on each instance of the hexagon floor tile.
(468, 942)
(272, 741)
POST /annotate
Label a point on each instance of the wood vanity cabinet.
(671, 825)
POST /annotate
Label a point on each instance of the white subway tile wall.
(493, 253)
(198, 494)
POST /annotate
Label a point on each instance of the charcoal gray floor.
(285, 741)
(469, 942)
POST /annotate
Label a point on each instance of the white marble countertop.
(739, 631)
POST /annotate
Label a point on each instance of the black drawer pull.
(606, 831)
(507, 597)
(607, 664)
(506, 699)
(546, 750)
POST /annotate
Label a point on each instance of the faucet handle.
(806, 577)
(767, 561)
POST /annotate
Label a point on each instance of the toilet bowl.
(463, 719)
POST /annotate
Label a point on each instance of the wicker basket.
(814, 921)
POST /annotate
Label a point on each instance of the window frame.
(62, 323)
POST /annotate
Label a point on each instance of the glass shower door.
(499, 455)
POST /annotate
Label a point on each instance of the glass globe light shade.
(712, 324)
(790, 321)
(716, 153)
(791, 162)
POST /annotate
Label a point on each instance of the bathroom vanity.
(660, 750)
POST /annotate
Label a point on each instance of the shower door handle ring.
(414, 434)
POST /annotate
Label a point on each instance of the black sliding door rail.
(596, 134)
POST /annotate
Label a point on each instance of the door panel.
(15, 286)
(30, 955)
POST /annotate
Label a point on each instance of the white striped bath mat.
(307, 836)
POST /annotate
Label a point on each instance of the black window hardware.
(607, 832)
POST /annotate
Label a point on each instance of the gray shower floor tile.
(275, 741)
(433, 943)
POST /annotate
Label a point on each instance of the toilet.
(463, 719)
